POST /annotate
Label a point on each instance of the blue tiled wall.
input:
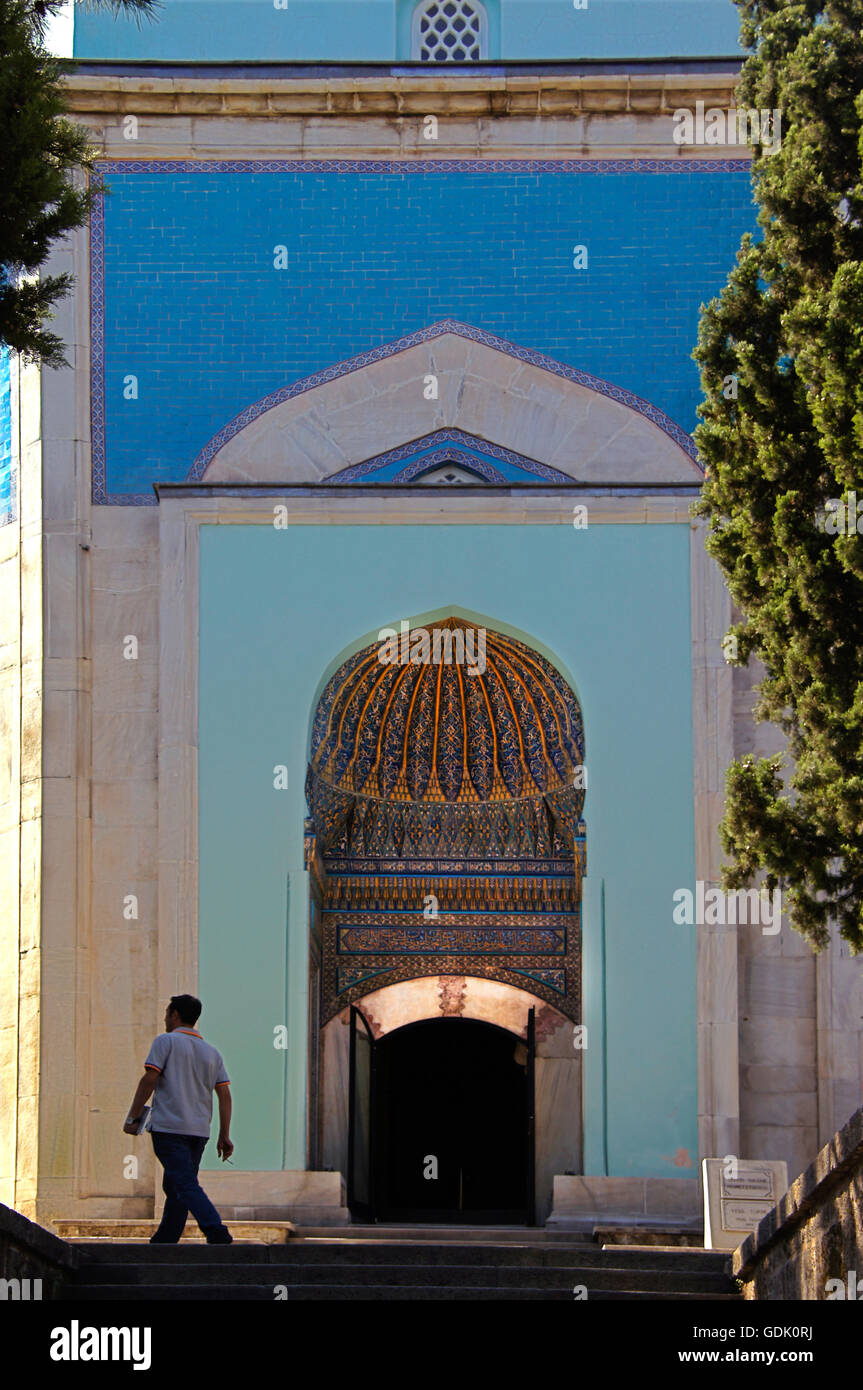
(378, 30)
(196, 311)
(7, 481)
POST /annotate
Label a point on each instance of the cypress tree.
(781, 435)
(44, 161)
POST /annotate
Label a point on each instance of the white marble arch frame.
(567, 422)
(183, 512)
(559, 1130)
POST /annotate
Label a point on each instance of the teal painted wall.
(379, 30)
(279, 609)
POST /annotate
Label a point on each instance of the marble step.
(118, 1228)
(304, 1252)
(143, 1293)
(461, 1275)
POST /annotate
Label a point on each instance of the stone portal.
(445, 840)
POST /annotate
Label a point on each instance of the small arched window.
(449, 31)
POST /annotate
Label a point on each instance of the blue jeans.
(180, 1155)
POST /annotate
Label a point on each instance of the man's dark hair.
(187, 1006)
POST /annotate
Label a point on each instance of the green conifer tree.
(43, 160)
(781, 435)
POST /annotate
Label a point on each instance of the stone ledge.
(646, 1236)
(255, 1232)
(377, 95)
(233, 506)
(307, 1197)
(296, 1188)
(306, 1215)
(833, 1166)
(590, 1204)
(17, 1232)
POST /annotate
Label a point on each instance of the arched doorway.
(446, 845)
(442, 1123)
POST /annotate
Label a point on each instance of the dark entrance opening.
(451, 1114)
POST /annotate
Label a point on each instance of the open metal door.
(530, 1126)
(361, 1168)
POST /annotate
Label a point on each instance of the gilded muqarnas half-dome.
(423, 757)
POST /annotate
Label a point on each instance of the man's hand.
(146, 1087)
(224, 1147)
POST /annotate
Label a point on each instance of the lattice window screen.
(450, 31)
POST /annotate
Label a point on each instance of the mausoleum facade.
(369, 355)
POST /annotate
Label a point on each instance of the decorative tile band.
(561, 868)
(352, 980)
(419, 168)
(97, 350)
(445, 938)
(466, 448)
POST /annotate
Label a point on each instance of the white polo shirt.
(189, 1070)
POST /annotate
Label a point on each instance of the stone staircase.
(398, 1263)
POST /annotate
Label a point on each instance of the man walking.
(183, 1071)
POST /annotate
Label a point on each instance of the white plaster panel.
(596, 1197)
(781, 1041)
(788, 1110)
(58, 733)
(126, 530)
(65, 467)
(283, 1188)
(108, 907)
(124, 571)
(725, 1072)
(335, 1046)
(778, 1079)
(124, 744)
(127, 803)
(778, 988)
(794, 1144)
(62, 604)
(717, 947)
(60, 385)
(116, 615)
(122, 857)
(123, 685)
(717, 974)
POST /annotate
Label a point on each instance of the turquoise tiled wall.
(7, 480)
(197, 313)
(378, 30)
